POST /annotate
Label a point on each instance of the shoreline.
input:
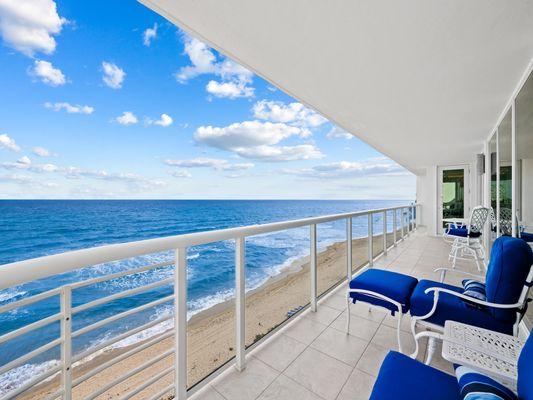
(210, 332)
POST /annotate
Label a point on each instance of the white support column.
(66, 345)
(370, 241)
(349, 249)
(487, 232)
(394, 226)
(240, 299)
(497, 211)
(385, 232)
(513, 172)
(312, 266)
(180, 324)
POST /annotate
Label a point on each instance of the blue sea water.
(31, 229)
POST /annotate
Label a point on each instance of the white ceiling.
(423, 81)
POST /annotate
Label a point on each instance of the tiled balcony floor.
(313, 358)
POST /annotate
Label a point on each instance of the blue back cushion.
(510, 261)
(525, 371)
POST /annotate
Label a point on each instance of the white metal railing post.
(349, 249)
(370, 241)
(414, 216)
(394, 226)
(406, 220)
(312, 266)
(385, 232)
(240, 299)
(180, 324)
(66, 341)
(401, 223)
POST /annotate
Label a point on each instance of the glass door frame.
(467, 189)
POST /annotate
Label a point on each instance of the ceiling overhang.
(423, 82)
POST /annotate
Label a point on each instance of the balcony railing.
(72, 369)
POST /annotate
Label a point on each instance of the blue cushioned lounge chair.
(402, 378)
(507, 285)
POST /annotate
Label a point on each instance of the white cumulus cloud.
(113, 76)
(149, 35)
(25, 163)
(181, 174)
(292, 113)
(348, 169)
(231, 90)
(127, 118)
(29, 26)
(164, 121)
(338, 133)
(69, 108)
(258, 140)
(8, 143)
(234, 78)
(47, 73)
(205, 162)
(42, 152)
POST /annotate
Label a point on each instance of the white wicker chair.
(466, 239)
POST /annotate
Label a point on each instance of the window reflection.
(524, 168)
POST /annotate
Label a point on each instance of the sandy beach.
(211, 332)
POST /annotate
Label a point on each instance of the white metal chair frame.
(419, 320)
(469, 248)
(380, 297)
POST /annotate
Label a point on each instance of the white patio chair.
(466, 239)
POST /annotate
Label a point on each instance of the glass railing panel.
(359, 242)
(277, 279)
(211, 308)
(331, 260)
(377, 244)
(390, 228)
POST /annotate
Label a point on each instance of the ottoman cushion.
(393, 285)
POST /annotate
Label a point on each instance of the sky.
(107, 99)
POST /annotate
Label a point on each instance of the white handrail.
(16, 273)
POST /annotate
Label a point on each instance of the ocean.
(34, 228)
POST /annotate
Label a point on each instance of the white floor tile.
(248, 384)
(279, 352)
(284, 388)
(339, 345)
(323, 375)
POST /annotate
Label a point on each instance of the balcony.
(243, 351)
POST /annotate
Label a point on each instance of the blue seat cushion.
(473, 385)
(394, 285)
(526, 236)
(510, 262)
(463, 232)
(453, 308)
(402, 378)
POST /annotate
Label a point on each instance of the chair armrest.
(438, 290)
(443, 272)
